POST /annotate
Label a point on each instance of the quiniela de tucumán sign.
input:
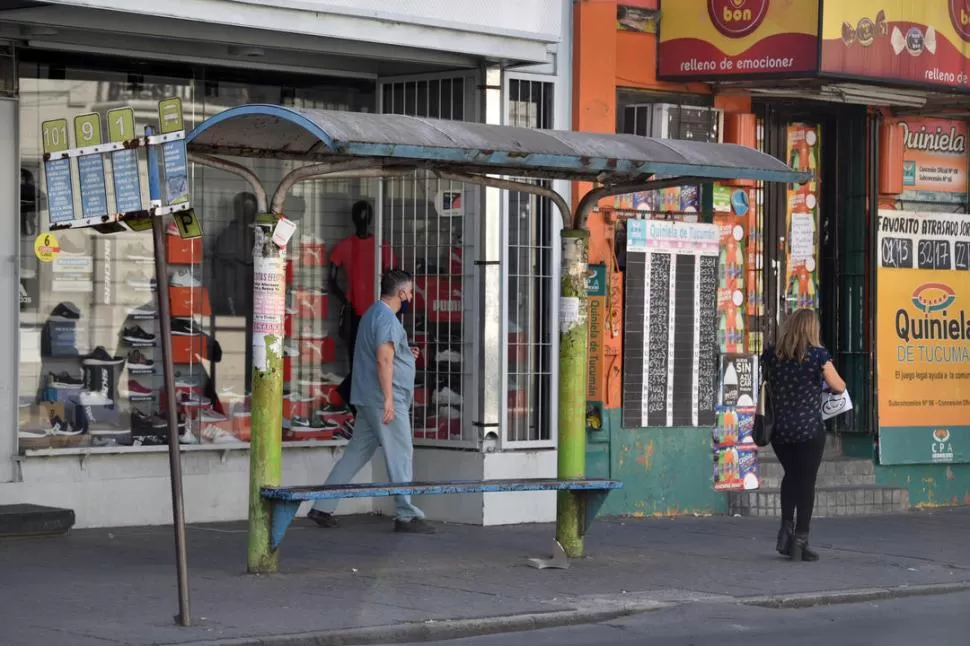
(923, 337)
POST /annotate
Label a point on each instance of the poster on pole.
(923, 337)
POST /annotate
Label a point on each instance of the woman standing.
(795, 368)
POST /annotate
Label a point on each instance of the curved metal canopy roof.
(460, 146)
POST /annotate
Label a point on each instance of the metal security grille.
(429, 226)
(529, 104)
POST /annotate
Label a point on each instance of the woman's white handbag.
(833, 404)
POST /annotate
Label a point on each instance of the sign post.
(129, 214)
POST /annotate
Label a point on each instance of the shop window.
(428, 226)
(530, 336)
(90, 365)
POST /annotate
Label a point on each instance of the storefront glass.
(89, 373)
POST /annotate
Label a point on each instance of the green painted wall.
(930, 485)
(665, 471)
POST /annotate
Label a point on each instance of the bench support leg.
(282, 515)
(589, 503)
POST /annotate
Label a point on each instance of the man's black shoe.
(323, 519)
(414, 526)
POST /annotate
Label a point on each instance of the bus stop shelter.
(348, 144)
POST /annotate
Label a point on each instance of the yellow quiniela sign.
(923, 337)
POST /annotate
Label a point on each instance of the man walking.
(382, 390)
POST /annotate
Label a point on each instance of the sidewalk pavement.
(364, 584)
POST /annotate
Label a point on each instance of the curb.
(431, 631)
(836, 597)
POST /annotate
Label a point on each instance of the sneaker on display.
(136, 334)
(136, 388)
(140, 281)
(215, 435)
(60, 427)
(331, 378)
(139, 251)
(291, 349)
(445, 396)
(182, 326)
(64, 380)
(146, 310)
(209, 415)
(139, 362)
(297, 398)
(448, 356)
(194, 399)
(66, 312)
(315, 344)
(308, 333)
(94, 398)
(188, 381)
(296, 422)
(184, 278)
(321, 423)
(449, 412)
(30, 434)
(71, 247)
(107, 424)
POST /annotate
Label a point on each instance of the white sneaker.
(209, 415)
(331, 378)
(31, 435)
(445, 397)
(297, 398)
(215, 435)
(194, 399)
(94, 398)
(449, 412)
(448, 356)
(291, 350)
(184, 278)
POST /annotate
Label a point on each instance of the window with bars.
(529, 104)
(428, 224)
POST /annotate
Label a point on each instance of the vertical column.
(9, 283)
(269, 303)
(573, 343)
(493, 278)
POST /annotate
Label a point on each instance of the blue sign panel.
(94, 196)
(176, 172)
(60, 190)
(124, 164)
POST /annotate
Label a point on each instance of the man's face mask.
(407, 296)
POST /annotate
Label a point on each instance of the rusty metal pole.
(168, 372)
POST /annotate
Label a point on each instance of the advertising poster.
(731, 219)
(923, 337)
(934, 160)
(922, 43)
(710, 39)
(801, 279)
(739, 380)
(735, 453)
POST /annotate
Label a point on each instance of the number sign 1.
(121, 124)
(87, 130)
(55, 136)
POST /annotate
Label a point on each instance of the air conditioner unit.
(672, 121)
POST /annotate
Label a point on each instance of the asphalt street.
(941, 620)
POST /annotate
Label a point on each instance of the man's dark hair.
(394, 280)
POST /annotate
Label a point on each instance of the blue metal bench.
(285, 501)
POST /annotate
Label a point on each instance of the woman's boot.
(799, 548)
(785, 537)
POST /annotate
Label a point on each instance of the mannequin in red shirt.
(354, 258)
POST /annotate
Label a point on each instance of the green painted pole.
(265, 456)
(572, 385)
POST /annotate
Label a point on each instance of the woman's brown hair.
(799, 332)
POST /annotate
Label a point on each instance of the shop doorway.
(821, 256)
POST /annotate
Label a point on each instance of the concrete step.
(34, 520)
(834, 472)
(853, 500)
